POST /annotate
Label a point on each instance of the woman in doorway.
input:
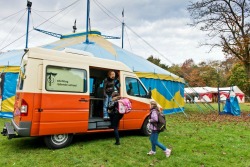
(109, 88)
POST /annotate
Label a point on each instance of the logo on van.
(51, 77)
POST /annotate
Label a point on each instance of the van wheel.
(58, 141)
(145, 128)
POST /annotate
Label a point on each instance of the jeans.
(154, 141)
(115, 119)
(106, 101)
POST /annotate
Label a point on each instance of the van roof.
(61, 56)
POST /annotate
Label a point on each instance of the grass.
(202, 139)
(203, 107)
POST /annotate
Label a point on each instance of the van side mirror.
(149, 95)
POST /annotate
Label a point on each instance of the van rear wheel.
(146, 128)
(58, 141)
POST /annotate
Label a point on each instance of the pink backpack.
(124, 106)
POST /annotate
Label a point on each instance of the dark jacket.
(109, 86)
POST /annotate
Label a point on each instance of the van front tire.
(145, 128)
(58, 141)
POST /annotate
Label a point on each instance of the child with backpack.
(153, 120)
(114, 115)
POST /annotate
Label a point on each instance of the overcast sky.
(162, 23)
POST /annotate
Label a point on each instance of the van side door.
(65, 98)
(133, 89)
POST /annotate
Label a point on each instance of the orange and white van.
(60, 94)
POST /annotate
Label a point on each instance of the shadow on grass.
(34, 143)
(89, 138)
(27, 143)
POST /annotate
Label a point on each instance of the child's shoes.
(151, 152)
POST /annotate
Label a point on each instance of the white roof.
(83, 58)
(236, 89)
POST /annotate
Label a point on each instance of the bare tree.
(230, 21)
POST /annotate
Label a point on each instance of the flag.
(123, 12)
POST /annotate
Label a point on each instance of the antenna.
(74, 27)
(29, 4)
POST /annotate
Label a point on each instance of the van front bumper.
(11, 130)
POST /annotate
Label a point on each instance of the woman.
(153, 119)
(109, 88)
(115, 116)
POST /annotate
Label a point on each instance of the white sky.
(162, 23)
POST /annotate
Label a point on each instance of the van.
(60, 94)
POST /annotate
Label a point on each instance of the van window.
(64, 79)
(135, 88)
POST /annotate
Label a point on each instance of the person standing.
(153, 120)
(115, 116)
(109, 88)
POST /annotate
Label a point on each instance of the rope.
(171, 95)
(39, 25)
(6, 37)
(107, 12)
(49, 20)
(128, 39)
(12, 15)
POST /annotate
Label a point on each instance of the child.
(115, 116)
(153, 119)
(109, 88)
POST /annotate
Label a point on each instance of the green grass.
(203, 107)
(201, 139)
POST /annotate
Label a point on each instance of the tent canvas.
(167, 88)
(232, 106)
(198, 94)
(225, 93)
(210, 94)
(9, 69)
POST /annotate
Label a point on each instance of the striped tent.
(167, 88)
(9, 69)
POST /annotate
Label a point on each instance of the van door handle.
(83, 100)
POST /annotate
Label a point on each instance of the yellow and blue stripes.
(8, 94)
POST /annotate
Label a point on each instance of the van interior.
(97, 77)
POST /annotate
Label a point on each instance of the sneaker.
(151, 152)
(168, 152)
(106, 118)
(117, 143)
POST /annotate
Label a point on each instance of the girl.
(115, 116)
(153, 119)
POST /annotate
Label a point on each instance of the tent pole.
(218, 96)
(87, 22)
(123, 24)
(29, 4)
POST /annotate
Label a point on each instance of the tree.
(239, 78)
(157, 62)
(229, 20)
